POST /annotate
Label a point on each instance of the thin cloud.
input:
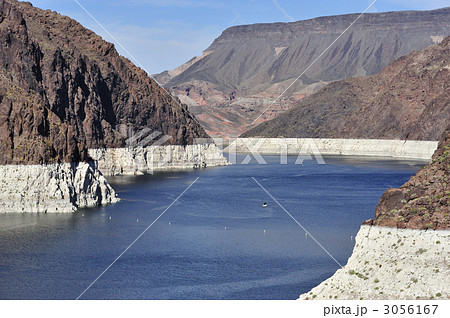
(277, 5)
(236, 15)
(372, 8)
(163, 48)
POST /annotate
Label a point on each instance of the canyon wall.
(64, 90)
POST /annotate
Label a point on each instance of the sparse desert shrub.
(421, 251)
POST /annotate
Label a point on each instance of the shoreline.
(69, 195)
(53, 188)
(67, 187)
(391, 263)
(146, 160)
(405, 149)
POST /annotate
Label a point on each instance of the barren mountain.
(63, 89)
(409, 99)
(248, 66)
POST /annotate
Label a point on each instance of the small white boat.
(264, 205)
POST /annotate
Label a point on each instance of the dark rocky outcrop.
(424, 201)
(409, 99)
(249, 66)
(63, 90)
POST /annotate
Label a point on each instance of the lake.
(216, 242)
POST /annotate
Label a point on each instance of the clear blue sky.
(163, 34)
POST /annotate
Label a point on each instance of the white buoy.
(169, 223)
(264, 232)
(110, 218)
(137, 220)
(82, 214)
(351, 238)
(306, 234)
(225, 227)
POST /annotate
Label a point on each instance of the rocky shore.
(391, 263)
(140, 160)
(403, 253)
(53, 188)
(66, 187)
(408, 149)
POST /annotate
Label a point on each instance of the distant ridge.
(248, 66)
(409, 99)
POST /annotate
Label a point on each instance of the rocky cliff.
(403, 253)
(409, 99)
(248, 66)
(424, 201)
(64, 90)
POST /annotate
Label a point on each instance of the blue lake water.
(188, 253)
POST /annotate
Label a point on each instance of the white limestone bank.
(55, 188)
(140, 160)
(60, 188)
(390, 263)
(411, 149)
